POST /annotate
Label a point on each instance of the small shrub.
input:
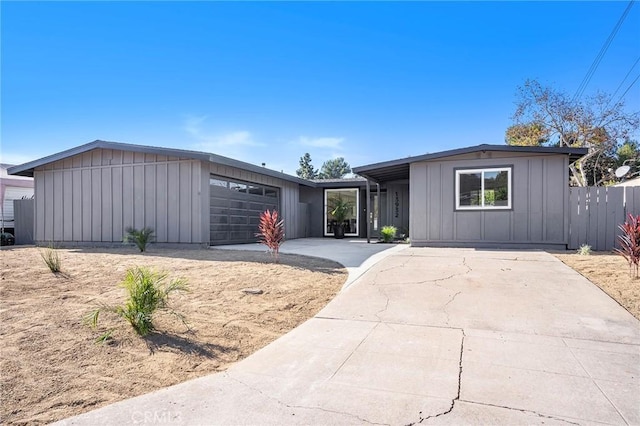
(147, 293)
(141, 238)
(271, 231)
(51, 258)
(630, 243)
(7, 239)
(584, 250)
(388, 233)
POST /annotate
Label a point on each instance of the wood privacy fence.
(23, 213)
(596, 212)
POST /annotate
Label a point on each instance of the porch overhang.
(379, 173)
(399, 169)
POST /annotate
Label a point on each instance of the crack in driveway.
(386, 305)
(430, 281)
(453, 401)
(293, 406)
(464, 263)
(421, 419)
(522, 411)
(446, 305)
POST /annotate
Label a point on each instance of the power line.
(622, 82)
(630, 86)
(625, 77)
(603, 50)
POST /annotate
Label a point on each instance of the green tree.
(306, 170)
(628, 154)
(596, 123)
(529, 134)
(334, 169)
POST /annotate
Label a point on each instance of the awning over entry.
(388, 171)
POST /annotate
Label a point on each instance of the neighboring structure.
(12, 188)
(489, 195)
(629, 182)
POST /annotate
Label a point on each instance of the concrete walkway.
(355, 254)
(429, 336)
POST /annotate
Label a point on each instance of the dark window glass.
(470, 189)
(270, 192)
(255, 190)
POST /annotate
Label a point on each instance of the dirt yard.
(51, 368)
(610, 272)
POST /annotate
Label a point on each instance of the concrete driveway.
(429, 336)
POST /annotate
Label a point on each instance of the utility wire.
(603, 50)
(622, 82)
(630, 86)
(625, 77)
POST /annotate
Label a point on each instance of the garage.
(235, 208)
(93, 192)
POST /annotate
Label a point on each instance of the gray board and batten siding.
(92, 193)
(94, 196)
(538, 216)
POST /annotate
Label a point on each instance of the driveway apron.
(429, 336)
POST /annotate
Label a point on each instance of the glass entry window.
(341, 197)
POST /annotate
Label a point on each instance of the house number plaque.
(397, 204)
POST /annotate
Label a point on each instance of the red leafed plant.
(630, 242)
(271, 231)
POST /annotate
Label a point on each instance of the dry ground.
(51, 366)
(610, 272)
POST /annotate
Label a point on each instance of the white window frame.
(482, 171)
(326, 192)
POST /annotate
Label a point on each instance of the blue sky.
(267, 82)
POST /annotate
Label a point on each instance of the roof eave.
(572, 152)
(27, 169)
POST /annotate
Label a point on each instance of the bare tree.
(545, 116)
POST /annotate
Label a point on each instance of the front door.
(350, 221)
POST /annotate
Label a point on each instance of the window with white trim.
(483, 189)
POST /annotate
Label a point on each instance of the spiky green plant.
(147, 293)
(141, 238)
(51, 258)
(271, 231)
(584, 250)
(388, 233)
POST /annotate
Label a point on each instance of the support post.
(368, 212)
(378, 206)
